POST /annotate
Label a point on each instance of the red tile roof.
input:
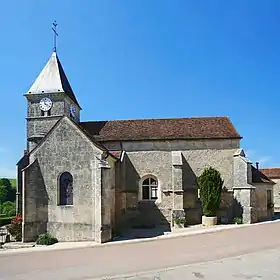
(116, 154)
(272, 173)
(160, 129)
(260, 177)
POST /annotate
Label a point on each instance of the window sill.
(65, 206)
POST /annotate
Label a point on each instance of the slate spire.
(52, 79)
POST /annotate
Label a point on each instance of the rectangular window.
(153, 192)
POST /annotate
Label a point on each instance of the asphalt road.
(263, 265)
(102, 261)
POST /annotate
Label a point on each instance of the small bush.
(179, 221)
(15, 228)
(238, 220)
(46, 239)
(5, 220)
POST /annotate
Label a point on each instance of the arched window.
(65, 189)
(150, 189)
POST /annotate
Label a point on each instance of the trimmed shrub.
(5, 221)
(238, 220)
(179, 221)
(15, 228)
(46, 239)
(210, 184)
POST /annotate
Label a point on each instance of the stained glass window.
(66, 189)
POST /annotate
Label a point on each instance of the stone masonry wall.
(173, 145)
(107, 199)
(159, 164)
(67, 223)
(264, 196)
(261, 196)
(33, 108)
(276, 194)
(35, 211)
(37, 125)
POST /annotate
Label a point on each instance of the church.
(91, 180)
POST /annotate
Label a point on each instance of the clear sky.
(148, 59)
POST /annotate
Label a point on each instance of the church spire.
(55, 34)
(52, 78)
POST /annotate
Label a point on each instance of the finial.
(54, 35)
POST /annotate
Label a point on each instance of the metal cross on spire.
(54, 35)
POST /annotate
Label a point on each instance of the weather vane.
(54, 35)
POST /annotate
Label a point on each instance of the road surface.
(99, 262)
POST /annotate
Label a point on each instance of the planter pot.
(209, 221)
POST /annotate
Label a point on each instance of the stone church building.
(90, 180)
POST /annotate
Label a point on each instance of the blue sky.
(148, 59)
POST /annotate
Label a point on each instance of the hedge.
(5, 220)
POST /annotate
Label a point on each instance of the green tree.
(11, 192)
(3, 195)
(9, 208)
(210, 184)
(5, 182)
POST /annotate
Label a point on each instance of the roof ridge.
(269, 168)
(160, 119)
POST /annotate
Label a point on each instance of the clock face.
(45, 104)
(72, 110)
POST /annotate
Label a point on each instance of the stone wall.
(107, 199)
(264, 196)
(35, 203)
(139, 165)
(49, 160)
(38, 126)
(227, 211)
(24, 162)
(173, 145)
(276, 193)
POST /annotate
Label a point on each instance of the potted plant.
(210, 185)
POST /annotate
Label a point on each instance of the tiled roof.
(259, 177)
(272, 173)
(152, 129)
(116, 154)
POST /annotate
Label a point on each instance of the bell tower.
(48, 99)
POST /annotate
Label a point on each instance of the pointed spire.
(55, 34)
(52, 79)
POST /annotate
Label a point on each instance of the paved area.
(263, 265)
(101, 262)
